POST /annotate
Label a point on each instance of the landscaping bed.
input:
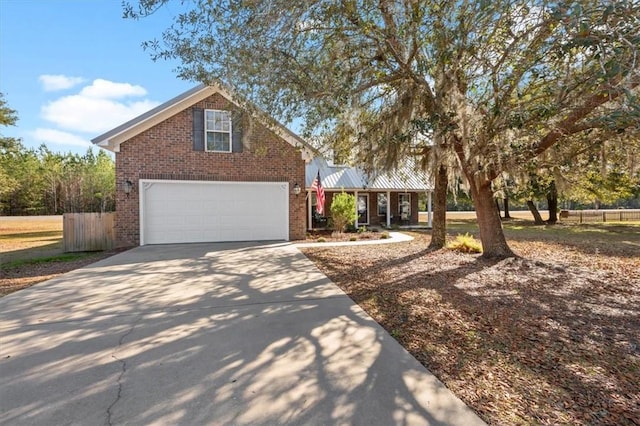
(328, 235)
(549, 338)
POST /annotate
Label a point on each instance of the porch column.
(310, 217)
(429, 214)
(388, 209)
(356, 194)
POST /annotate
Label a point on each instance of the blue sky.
(74, 69)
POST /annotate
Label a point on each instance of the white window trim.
(207, 131)
(408, 195)
(378, 204)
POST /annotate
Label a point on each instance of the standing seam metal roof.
(352, 178)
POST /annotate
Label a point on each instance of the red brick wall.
(165, 152)
(414, 208)
(374, 219)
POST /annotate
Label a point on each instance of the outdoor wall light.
(127, 186)
(297, 189)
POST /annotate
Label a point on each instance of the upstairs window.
(217, 128)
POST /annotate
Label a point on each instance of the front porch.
(385, 209)
(386, 200)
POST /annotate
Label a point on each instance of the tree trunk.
(498, 207)
(494, 244)
(552, 203)
(536, 214)
(506, 208)
(439, 221)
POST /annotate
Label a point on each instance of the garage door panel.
(180, 211)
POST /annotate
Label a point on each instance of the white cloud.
(58, 137)
(51, 82)
(98, 107)
(84, 114)
(105, 89)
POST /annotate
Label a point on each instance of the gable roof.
(112, 139)
(335, 177)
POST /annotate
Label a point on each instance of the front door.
(363, 209)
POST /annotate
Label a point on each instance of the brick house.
(383, 200)
(199, 169)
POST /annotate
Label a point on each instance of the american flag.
(317, 185)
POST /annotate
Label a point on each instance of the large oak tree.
(477, 87)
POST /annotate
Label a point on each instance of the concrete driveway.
(207, 334)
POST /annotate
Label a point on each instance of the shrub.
(343, 211)
(362, 230)
(466, 244)
(353, 239)
(384, 235)
(321, 240)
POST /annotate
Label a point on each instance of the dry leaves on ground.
(550, 338)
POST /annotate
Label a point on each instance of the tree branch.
(569, 125)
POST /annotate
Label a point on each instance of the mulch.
(552, 337)
(332, 236)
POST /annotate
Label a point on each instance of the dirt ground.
(26, 240)
(17, 278)
(24, 237)
(465, 215)
(552, 337)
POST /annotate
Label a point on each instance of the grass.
(615, 239)
(65, 257)
(32, 251)
(23, 238)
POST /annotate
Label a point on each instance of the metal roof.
(352, 178)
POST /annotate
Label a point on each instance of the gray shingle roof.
(351, 178)
(152, 112)
(111, 139)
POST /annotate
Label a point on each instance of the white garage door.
(190, 212)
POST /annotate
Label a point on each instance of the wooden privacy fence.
(88, 231)
(586, 216)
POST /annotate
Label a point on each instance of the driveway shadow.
(207, 334)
